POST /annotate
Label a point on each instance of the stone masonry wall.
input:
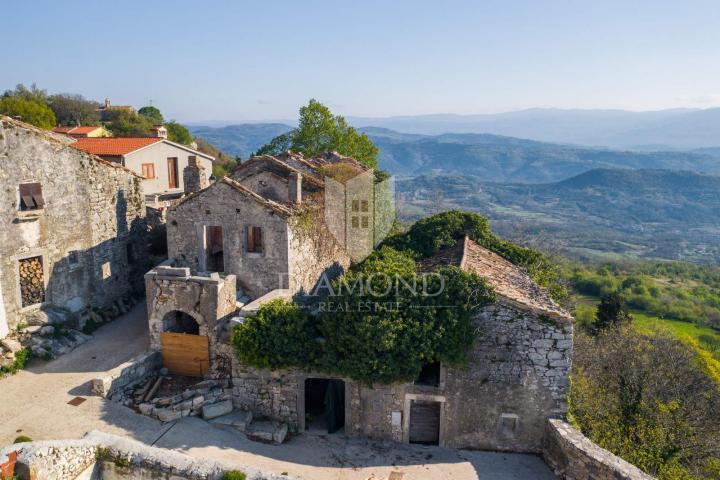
(127, 374)
(517, 378)
(222, 205)
(89, 235)
(573, 456)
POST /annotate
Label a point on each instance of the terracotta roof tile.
(113, 146)
(510, 282)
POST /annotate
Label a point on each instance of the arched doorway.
(180, 322)
(184, 350)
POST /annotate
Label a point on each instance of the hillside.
(600, 213)
(493, 158)
(663, 129)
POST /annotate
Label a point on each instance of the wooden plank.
(185, 354)
(425, 422)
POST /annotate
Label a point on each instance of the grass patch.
(21, 358)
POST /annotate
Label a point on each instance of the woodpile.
(32, 285)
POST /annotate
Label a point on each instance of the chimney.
(158, 131)
(295, 188)
(194, 176)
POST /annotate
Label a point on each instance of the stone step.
(237, 420)
(267, 431)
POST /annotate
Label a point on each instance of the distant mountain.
(657, 130)
(506, 159)
(491, 157)
(602, 212)
(240, 140)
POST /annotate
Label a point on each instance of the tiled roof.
(76, 130)
(113, 146)
(510, 282)
(63, 129)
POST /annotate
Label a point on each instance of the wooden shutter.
(31, 196)
(254, 239)
(425, 422)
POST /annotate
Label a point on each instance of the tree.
(178, 133)
(123, 123)
(320, 131)
(33, 93)
(646, 399)
(611, 312)
(73, 110)
(224, 163)
(29, 111)
(152, 113)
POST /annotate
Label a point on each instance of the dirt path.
(34, 403)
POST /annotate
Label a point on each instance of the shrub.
(234, 475)
(21, 358)
(22, 439)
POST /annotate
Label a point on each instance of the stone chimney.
(295, 188)
(158, 131)
(194, 176)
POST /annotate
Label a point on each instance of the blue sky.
(246, 60)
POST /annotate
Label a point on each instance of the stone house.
(73, 228)
(519, 366)
(157, 160)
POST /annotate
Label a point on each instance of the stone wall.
(207, 299)
(222, 205)
(89, 235)
(573, 456)
(101, 455)
(517, 378)
(127, 374)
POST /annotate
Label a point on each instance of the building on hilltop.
(158, 160)
(262, 233)
(106, 109)
(91, 131)
(73, 228)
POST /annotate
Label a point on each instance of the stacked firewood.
(32, 287)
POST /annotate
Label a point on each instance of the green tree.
(320, 131)
(152, 113)
(178, 133)
(29, 111)
(611, 312)
(33, 93)
(123, 123)
(72, 110)
(224, 163)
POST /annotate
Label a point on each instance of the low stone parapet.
(101, 455)
(127, 374)
(573, 456)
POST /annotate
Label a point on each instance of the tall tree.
(29, 111)
(71, 109)
(152, 113)
(178, 133)
(611, 312)
(320, 131)
(128, 124)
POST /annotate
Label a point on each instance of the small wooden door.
(185, 354)
(425, 422)
(172, 164)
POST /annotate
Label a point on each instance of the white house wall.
(157, 154)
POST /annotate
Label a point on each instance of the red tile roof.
(113, 146)
(63, 129)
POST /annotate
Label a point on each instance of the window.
(254, 240)
(31, 196)
(364, 206)
(355, 222)
(365, 221)
(148, 170)
(356, 205)
(429, 375)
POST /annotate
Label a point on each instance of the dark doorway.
(324, 405)
(180, 322)
(425, 422)
(215, 258)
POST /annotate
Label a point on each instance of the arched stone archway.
(177, 321)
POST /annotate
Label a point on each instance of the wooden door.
(172, 164)
(425, 422)
(185, 354)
